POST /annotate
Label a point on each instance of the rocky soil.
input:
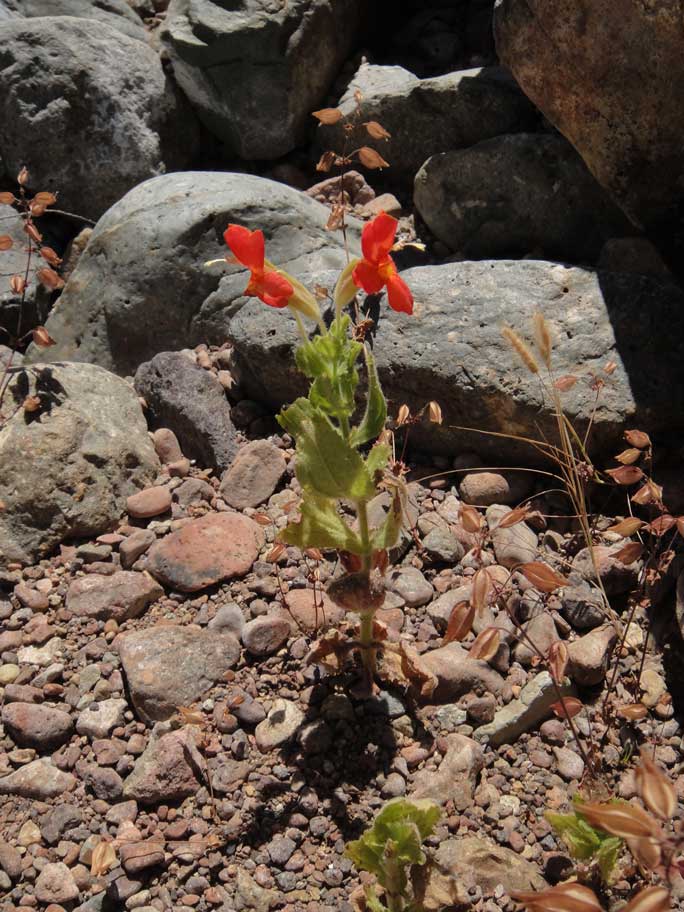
(165, 743)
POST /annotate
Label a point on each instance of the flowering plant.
(339, 459)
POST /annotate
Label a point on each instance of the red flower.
(267, 284)
(377, 270)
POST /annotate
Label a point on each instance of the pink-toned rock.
(485, 488)
(149, 502)
(31, 598)
(265, 635)
(170, 666)
(137, 856)
(456, 777)
(37, 725)
(135, 546)
(308, 615)
(56, 884)
(167, 771)
(254, 475)
(39, 779)
(205, 551)
(167, 446)
(123, 595)
(457, 674)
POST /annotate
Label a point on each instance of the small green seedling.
(585, 842)
(390, 847)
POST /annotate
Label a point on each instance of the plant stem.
(344, 426)
(366, 627)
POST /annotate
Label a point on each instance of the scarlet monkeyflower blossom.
(377, 270)
(249, 249)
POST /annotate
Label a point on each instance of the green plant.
(585, 842)
(390, 847)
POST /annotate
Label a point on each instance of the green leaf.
(321, 526)
(581, 839)
(326, 463)
(372, 900)
(375, 415)
(425, 814)
(397, 831)
(330, 361)
(378, 458)
(607, 856)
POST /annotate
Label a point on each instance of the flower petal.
(366, 276)
(274, 301)
(276, 285)
(399, 295)
(378, 237)
(247, 246)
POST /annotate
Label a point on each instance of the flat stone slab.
(206, 551)
(171, 666)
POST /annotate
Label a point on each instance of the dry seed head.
(655, 789)
(403, 415)
(542, 337)
(435, 412)
(517, 344)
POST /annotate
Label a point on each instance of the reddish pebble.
(149, 502)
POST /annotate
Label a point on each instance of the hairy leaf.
(321, 526)
(375, 415)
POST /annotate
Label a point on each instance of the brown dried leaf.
(654, 788)
(42, 338)
(621, 819)
(326, 161)
(543, 577)
(471, 519)
(662, 524)
(376, 130)
(520, 514)
(633, 711)
(37, 209)
(650, 899)
(327, 115)
(414, 671)
(638, 439)
(567, 708)
(558, 660)
(103, 859)
(648, 493)
(628, 457)
(371, 159)
(313, 553)
(626, 475)
(23, 177)
(567, 897)
(330, 651)
(564, 383)
(680, 525)
(460, 622)
(6, 198)
(190, 716)
(486, 645)
(630, 553)
(481, 589)
(609, 367)
(6, 242)
(646, 852)
(627, 526)
(336, 219)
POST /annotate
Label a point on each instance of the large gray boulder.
(451, 350)
(514, 195)
(256, 70)
(141, 286)
(67, 467)
(427, 116)
(608, 74)
(102, 117)
(117, 13)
